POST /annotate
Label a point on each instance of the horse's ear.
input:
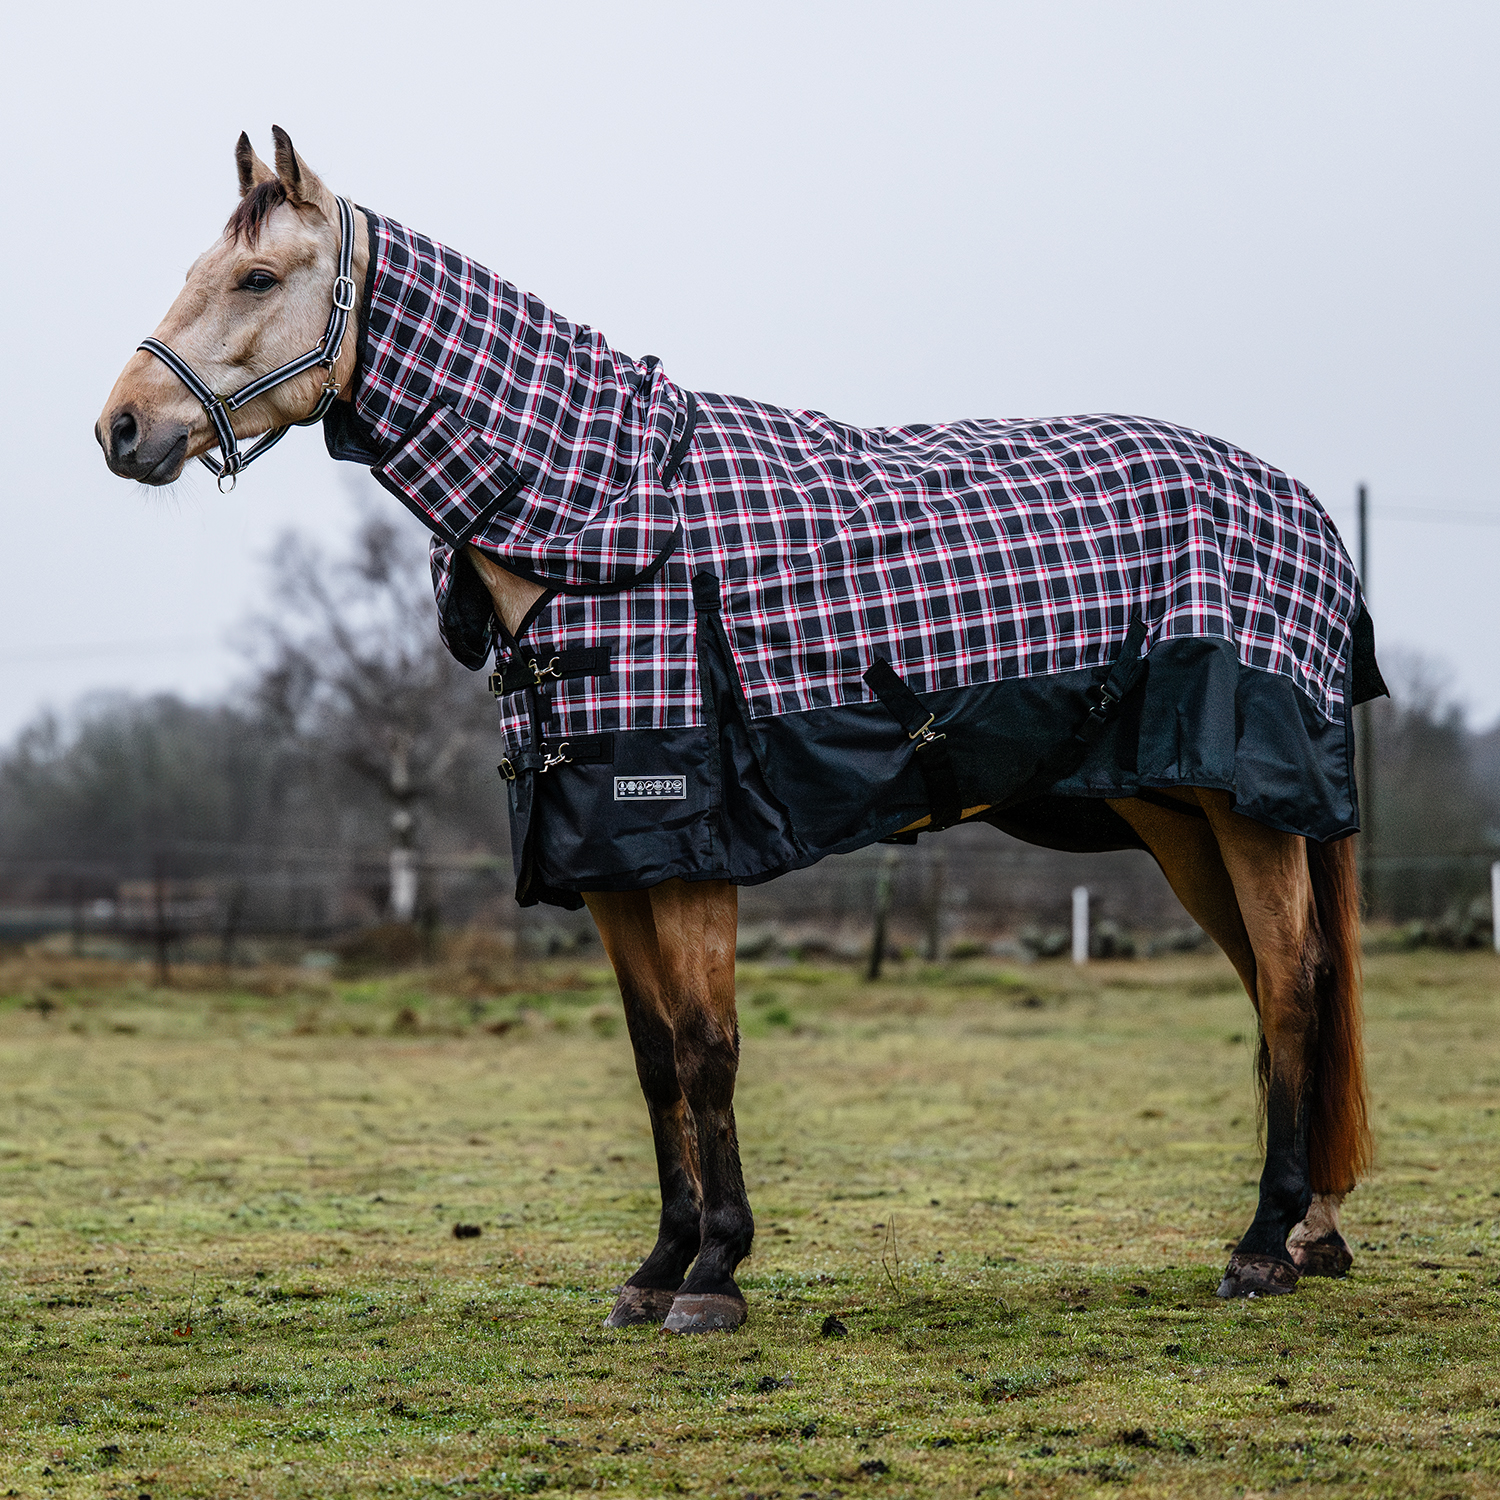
(302, 184)
(253, 171)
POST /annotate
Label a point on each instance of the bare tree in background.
(1439, 816)
(357, 669)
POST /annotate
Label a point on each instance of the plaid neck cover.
(964, 552)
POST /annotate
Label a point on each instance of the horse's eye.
(258, 281)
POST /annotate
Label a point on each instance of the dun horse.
(729, 640)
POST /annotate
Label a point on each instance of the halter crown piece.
(324, 354)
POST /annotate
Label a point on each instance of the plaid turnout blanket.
(965, 554)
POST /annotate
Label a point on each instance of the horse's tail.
(1338, 1125)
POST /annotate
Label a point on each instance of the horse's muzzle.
(149, 456)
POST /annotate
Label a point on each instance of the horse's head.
(253, 301)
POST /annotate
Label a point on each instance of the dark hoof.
(702, 1312)
(1257, 1276)
(1329, 1256)
(639, 1304)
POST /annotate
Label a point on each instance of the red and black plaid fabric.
(513, 425)
(963, 553)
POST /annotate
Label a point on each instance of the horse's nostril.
(124, 434)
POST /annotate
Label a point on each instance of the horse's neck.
(513, 596)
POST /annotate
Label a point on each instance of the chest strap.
(545, 666)
(578, 750)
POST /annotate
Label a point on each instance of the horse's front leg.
(695, 932)
(628, 930)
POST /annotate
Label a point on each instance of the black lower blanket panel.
(746, 800)
(762, 636)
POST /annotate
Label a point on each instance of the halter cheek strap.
(324, 354)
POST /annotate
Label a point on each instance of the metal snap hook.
(925, 733)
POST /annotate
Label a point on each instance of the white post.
(403, 884)
(1080, 924)
(1495, 903)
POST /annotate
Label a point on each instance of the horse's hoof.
(1257, 1276)
(702, 1312)
(1328, 1256)
(639, 1304)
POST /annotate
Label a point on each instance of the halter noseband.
(326, 354)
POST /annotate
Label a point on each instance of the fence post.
(1080, 924)
(883, 884)
(160, 933)
(937, 880)
(1495, 904)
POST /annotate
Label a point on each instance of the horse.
(239, 356)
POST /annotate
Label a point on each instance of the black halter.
(326, 354)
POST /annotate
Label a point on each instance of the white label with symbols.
(650, 788)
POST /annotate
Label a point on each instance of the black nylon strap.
(1069, 755)
(1172, 804)
(932, 757)
(931, 748)
(547, 666)
(579, 750)
(681, 446)
(905, 707)
(705, 593)
(1122, 678)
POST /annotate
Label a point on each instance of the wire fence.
(974, 890)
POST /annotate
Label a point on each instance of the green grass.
(226, 1212)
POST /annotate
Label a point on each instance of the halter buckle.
(344, 293)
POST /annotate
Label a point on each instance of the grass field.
(227, 1212)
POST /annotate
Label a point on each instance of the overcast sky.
(1275, 223)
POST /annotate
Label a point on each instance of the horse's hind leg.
(629, 934)
(1187, 849)
(1316, 1244)
(1274, 890)
(1183, 844)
